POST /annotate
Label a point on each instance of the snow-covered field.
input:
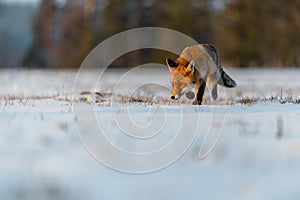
(44, 154)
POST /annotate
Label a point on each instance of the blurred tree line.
(246, 32)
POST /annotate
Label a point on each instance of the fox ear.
(171, 63)
(191, 66)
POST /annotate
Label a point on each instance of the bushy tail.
(225, 79)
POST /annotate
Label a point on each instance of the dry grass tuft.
(107, 99)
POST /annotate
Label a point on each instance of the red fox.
(196, 66)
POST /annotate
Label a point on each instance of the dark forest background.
(246, 32)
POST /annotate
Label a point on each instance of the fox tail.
(225, 79)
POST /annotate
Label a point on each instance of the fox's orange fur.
(196, 66)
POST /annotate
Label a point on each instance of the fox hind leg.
(214, 92)
(200, 88)
(213, 80)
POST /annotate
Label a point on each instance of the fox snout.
(179, 86)
(177, 92)
(175, 97)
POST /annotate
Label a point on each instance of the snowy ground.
(42, 157)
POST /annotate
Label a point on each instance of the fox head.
(182, 76)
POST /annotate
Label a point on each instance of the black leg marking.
(200, 92)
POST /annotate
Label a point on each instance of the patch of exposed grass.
(102, 99)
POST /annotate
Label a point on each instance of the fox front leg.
(200, 88)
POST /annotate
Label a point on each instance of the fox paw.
(190, 95)
(196, 102)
